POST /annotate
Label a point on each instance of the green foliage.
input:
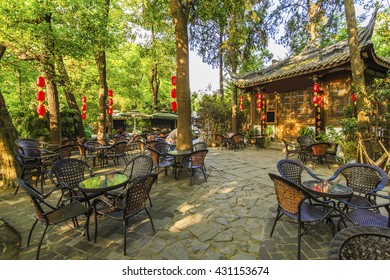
(268, 131)
(307, 131)
(381, 37)
(253, 132)
(214, 113)
(331, 135)
(348, 151)
(349, 128)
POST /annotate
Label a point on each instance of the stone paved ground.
(227, 217)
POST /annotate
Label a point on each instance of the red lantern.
(174, 106)
(83, 99)
(41, 95)
(259, 96)
(263, 117)
(110, 102)
(173, 80)
(110, 92)
(40, 82)
(315, 100)
(83, 116)
(173, 93)
(41, 110)
(110, 111)
(83, 107)
(354, 98)
(241, 107)
(316, 87)
(241, 98)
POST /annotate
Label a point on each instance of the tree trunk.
(234, 99)
(65, 83)
(100, 59)
(48, 64)
(180, 21)
(52, 100)
(357, 65)
(154, 86)
(220, 53)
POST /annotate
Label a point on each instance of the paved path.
(227, 217)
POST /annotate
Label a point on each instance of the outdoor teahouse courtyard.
(228, 217)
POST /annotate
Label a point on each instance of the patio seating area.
(229, 216)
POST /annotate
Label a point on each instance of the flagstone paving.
(227, 217)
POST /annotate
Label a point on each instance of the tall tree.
(180, 12)
(307, 23)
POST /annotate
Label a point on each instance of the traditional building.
(286, 87)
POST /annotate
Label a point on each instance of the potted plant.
(268, 131)
(252, 133)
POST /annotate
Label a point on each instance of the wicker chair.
(66, 174)
(361, 243)
(237, 141)
(364, 179)
(30, 166)
(28, 143)
(294, 171)
(304, 141)
(66, 151)
(293, 202)
(117, 151)
(199, 146)
(90, 152)
(291, 148)
(130, 202)
(220, 141)
(50, 215)
(160, 161)
(319, 152)
(195, 160)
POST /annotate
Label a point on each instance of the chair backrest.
(69, 171)
(155, 155)
(28, 143)
(305, 140)
(237, 138)
(137, 193)
(26, 160)
(293, 171)
(91, 146)
(199, 146)
(162, 147)
(319, 149)
(119, 147)
(36, 198)
(196, 158)
(289, 195)
(139, 165)
(361, 177)
(219, 138)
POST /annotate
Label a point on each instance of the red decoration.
(316, 87)
(110, 92)
(354, 97)
(41, 95)
(40, 82)
(173, 80)
(83, 116)
(83, 99)
(110, 102)
(315, 100)
(259, 96)
(263, 117)
(174, 106)
(241, 107)
(241, 98)
(173, 93)
(41, 110)
(110, 111)
(83, 107)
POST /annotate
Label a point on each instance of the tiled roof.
(311, 60)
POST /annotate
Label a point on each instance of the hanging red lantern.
(40, 95)
(354, 97)
(174, 106)
(241, 107)
(241, 98)
(315, 100)
(316, 87)
(83, 99)
(41, 110)
(263, 117)
(110, 92)
(173, 93)
(110, 111)
(40, 82)
(110, 102)
(83, 107)
(259, 96)
(83, 116)
(259, 105)
(173, 80)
